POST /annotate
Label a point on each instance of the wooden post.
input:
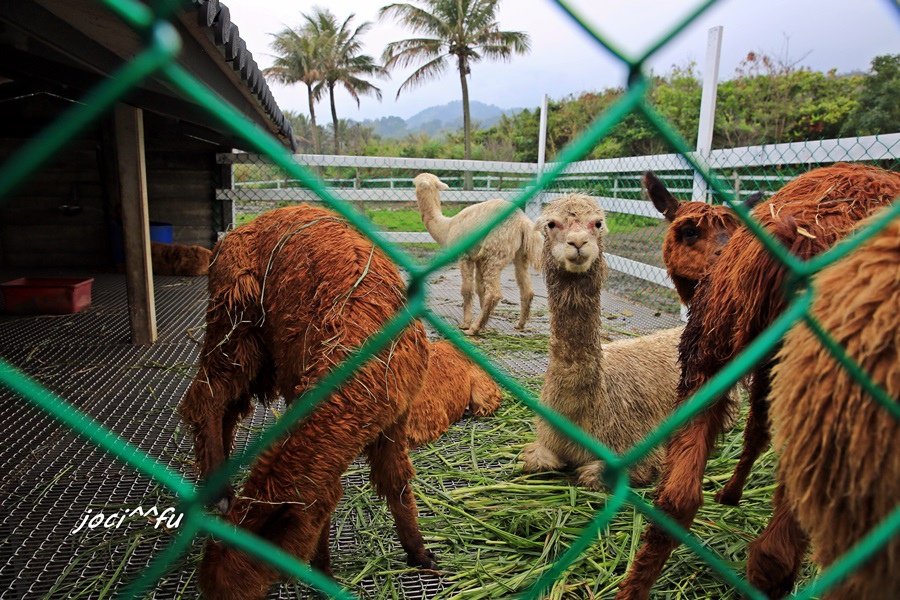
(132, 170)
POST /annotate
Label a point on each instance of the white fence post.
(708, 108)
(533, 208)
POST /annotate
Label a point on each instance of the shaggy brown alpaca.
(512, 241)
(616, 392)
(697, 233)
(178, 259)
(838, 461)
(292, 294)
(740, 296)
(454, 386)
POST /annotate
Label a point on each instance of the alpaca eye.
(599, 224)
(551, 225)
(690, 234)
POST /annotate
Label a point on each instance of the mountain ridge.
(437, 120)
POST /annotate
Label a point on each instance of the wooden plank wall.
(181, 186)
(37, 231)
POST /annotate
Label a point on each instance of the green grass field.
(410, 220)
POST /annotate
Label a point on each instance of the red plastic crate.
(46, 295)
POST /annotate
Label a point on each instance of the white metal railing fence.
(614, 182)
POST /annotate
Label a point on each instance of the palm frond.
(427, 72)
(408, 52)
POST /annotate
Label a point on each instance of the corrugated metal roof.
(216, 18)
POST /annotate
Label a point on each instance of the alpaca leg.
(756, 437)
(391, 474)
(526, 292)
(645, 472)
(234, 413)
(539, 458)
(321, 560)
(777, 554)
(492, 296)
(589, 475)
(467, 272)
(219, 396)
(485, 394)
(427, 424)
(479, 284)
(680, 494)
(202, 412)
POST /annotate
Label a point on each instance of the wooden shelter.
(151, 159)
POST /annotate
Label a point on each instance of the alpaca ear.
(442, 185)
(752, 200)
(664, 202)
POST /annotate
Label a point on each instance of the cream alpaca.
(512, 241)
(618, 392)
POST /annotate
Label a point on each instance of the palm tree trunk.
(467, 120)
(334, 120)
(312, 121)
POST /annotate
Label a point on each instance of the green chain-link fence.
(163, 44)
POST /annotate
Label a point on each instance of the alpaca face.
(428, 181)
(573, 228)
(696, 235)
(695, 239)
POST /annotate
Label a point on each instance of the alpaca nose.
(577, 239)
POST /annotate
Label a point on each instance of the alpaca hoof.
(225, 501)
(427, 560)
(223, 504)
(470, 331)
(769, 574)
(726, 497)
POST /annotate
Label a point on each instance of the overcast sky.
(564, 60)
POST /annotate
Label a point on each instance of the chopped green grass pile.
(494, 529)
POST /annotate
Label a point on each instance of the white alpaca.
(512, 241)
(619, 392)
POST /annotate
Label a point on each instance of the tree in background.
(307, 136)
(878, 108)
(771, 100)
(466, 30)
(340, 61)
(298, 60)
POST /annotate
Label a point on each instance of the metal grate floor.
(50, 479)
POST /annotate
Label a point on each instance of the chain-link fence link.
(282, 179)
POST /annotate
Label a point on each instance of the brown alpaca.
(838, 460)
(740, 296)
(178, 259)
(512, 241)
(616, 392)
(292, 294)
(454, 386)
(697, 233)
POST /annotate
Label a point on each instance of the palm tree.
(298, 61)
(341, 61)
(464, 29)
